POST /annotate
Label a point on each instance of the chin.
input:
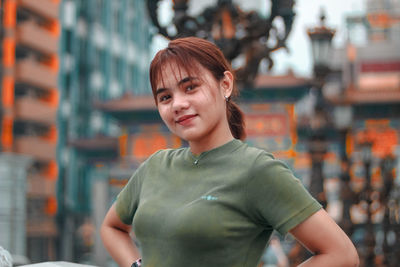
(191, 136)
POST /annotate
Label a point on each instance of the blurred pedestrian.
(5, 258)
(216, 202)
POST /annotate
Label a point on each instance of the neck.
(198, 147)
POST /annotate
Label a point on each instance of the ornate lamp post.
(321, 42)
(366, 155)
(343, 117)
(245, 36)
(321, 38)
(388, 198)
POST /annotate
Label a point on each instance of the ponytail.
(235, 120)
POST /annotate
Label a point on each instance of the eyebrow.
(184, 80)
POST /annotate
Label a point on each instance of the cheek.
(208, 98)
(164, 114)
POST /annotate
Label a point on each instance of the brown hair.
(183, 51)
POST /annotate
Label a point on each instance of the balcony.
(373, 96)
(31, 35)
(36, 147)
(46, 227)
(39, 186)
(130, 109)
(31, 109)
(31, 72)
(44, 8)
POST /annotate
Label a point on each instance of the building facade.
(370, 89)
(30, 32)
(104, 55)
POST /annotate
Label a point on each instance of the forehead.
(172, 72)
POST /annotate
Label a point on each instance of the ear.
(226, 84)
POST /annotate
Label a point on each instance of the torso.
(190, 214)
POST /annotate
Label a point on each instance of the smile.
(185, 119)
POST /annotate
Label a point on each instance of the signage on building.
(382, 20)
(272, 127)
(380, 66)
(379, 75)
(267, 124)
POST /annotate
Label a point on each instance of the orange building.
(29, 99)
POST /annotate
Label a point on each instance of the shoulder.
(163, 154)
(261, 158)
(257, 160)
(264, 166)
(160, 158)
(246, 151)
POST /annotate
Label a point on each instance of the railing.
(40, 186)
(33, 36)
(29, 71)
(44, 8)
(31, 109)
(35, 147)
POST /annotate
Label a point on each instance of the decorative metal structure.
(343, 118)
(321, 37)
(236, 32)
(376, 113)
(388, 198)
(366, 195)
(385, 196)
(321, 41)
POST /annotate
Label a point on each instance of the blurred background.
(320, 88)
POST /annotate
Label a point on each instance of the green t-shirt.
(217, 209)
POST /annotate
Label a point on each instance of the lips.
(185, 119)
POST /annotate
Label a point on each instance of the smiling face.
(193, 106)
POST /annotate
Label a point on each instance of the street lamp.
(366, 155)
(388, 199)
(321, 43)
(321, 38)
(343, 118)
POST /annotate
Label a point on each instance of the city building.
(370, 75)
(30, 32)
(104, 56)
(366, 99)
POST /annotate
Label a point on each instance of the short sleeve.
(128, 199)
(276, 197)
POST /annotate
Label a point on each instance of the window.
(116, 18)
(98, 10)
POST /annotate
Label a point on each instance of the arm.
(323, 237)
(116, 239)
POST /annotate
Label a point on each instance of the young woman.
(216, 202)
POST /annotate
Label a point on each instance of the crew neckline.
(220, 150)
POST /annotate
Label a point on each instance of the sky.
(307, 15)
(299, 59)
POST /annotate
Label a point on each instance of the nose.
(179, 102)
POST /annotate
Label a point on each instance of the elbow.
(345, 256)
(355, 260)
(350, 257)
(102, 232)
(106, 235)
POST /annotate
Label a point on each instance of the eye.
(190, 87)
(164, 98)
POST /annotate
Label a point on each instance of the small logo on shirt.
(209, 197)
